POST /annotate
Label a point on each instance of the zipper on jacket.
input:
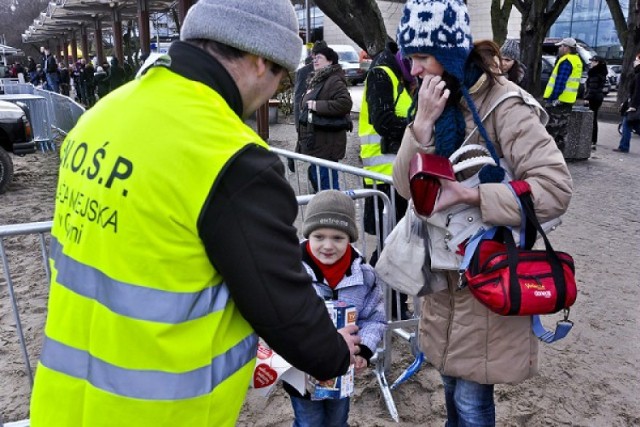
(452, 306)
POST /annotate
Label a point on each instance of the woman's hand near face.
(432, 98)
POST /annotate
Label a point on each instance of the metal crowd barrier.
(64, 112)
(41, 229)
(51, 113)
(350, 180)
(383, 355)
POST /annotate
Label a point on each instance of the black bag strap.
(526, 206)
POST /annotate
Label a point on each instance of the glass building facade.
(590, 21)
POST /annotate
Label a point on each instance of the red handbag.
(514, 281)
(424, 173)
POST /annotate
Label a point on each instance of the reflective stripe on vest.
(146, 384)
(370, 149)
(570, 92)
(140, 325)
(137, 302)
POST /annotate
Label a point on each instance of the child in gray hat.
(339, 273)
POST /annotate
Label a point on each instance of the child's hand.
(328, 383)
(360, 364)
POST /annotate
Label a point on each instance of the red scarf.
(335, 272)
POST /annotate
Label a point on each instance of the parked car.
(16, 138)
(614, 76)
(350, 63)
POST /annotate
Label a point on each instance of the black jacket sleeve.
(635, 95)
(247, 230)
(382, 106)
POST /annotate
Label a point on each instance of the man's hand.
(352, 340)
(553, 103)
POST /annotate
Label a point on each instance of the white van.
(350, 63)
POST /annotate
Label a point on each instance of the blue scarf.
(449, 129)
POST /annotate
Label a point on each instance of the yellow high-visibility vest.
(141, 328)
(370, 150)
(570, 92)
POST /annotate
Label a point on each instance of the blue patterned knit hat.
(439, 28)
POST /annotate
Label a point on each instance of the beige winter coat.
(458, 335)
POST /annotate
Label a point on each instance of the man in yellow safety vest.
(383, 118)
(173, 246)
(562, 90)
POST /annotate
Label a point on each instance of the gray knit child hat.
(268, 29)
(511, 49)
(331, 209)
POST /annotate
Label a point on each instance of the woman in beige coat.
(472, 347)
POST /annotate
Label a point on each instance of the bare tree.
(537, 18)
(500, 13)
(629, 34)
(360, 20)
(14, 21)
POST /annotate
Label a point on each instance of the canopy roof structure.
(8, 50)
(64, 20)
(63, 16)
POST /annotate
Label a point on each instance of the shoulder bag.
(326, 123)
(403, 262)
(516, 281)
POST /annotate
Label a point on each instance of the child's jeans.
(315, 413)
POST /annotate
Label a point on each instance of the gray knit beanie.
(331, 209)
(511, 49)
(268, 29)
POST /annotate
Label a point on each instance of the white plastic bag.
(403, 263)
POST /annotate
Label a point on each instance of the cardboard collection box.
(342, 314)
(271, 368)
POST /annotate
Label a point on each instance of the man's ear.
(261, 65)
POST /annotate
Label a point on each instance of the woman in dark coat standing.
(327, 95)
(594, 95)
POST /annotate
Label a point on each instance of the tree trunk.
(629, 33)
(360, 20)
(500, 19)
(537, 18)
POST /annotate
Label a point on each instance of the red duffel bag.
(513, 281)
